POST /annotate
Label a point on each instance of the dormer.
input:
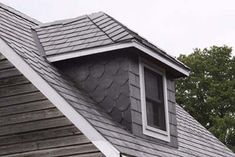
(128, 77)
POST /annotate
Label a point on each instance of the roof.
(80, 33)
(18, 45)
(70, 36)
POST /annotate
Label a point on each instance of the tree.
(208, 94)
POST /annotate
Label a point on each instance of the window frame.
(149, 130)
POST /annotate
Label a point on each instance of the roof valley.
(99, 27)
(38, 43)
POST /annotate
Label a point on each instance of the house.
(90, 87)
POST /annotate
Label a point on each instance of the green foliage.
(208, 94)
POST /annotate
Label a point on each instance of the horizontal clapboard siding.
(31, 126)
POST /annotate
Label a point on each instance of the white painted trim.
(86, 52)
(64, 56)
(161, 58)
(148, 130)
(78, 120)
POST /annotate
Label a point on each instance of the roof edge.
(173, 63)
(20, 14)
(86, 52)
(65, 21)
(59, 22)
(78, 120)
(139, 38)
(176, 65)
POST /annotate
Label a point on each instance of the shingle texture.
(89, 31)
(105, 78)
(15, 30)
(80, 33)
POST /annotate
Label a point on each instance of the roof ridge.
(98, 26)
(60, 22)
(103, 13)
(65, 21)
(144, 41)
(132, 33)
(20, 14)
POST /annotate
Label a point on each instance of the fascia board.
(58, 57)
(86, 52)
(159, 57)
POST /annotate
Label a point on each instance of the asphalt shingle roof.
(80, 33)
(16, 31)
(88, 31)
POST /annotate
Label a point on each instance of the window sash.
(154, 99)
(155, 114)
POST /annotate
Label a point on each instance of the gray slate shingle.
(76, 34)
(194, 140)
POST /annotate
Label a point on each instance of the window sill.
(156, 133)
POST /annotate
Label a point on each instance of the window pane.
(155, 115)
(150, 115)
(153, 85)
(154, 99)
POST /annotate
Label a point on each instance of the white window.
(154, 104)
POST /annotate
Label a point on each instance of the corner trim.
(58, 57)
(78, 120)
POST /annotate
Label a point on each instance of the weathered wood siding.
(31, 126)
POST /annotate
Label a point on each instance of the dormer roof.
(92, 34)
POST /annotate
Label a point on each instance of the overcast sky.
(176, 26)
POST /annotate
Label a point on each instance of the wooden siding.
(31, 126)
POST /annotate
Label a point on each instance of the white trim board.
(86, 52)
(97, 50)
(161, 59)
(78, 120)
